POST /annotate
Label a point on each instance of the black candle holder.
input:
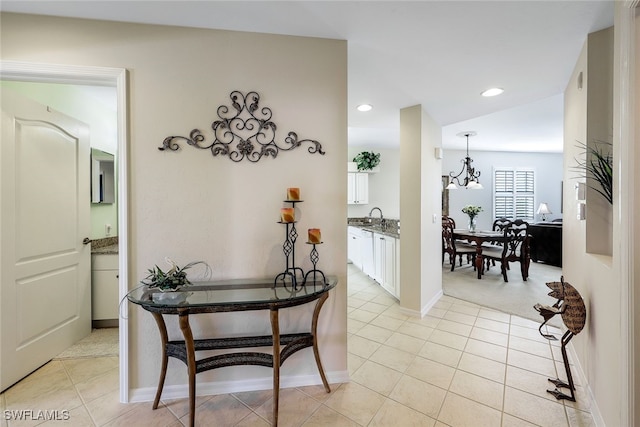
(297, 276)
(315, 257)
(289, 250)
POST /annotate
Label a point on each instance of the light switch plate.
(580, 191)
(581, 211)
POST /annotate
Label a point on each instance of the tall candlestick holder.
(289, 250)
(314, 273)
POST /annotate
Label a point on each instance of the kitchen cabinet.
(377, 255)
(366, 250)
(397, 269)
(104, 288)
(357, 188)
(385, 263)
(353, 247)
(360, 249)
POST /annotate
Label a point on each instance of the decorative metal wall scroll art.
(244, 131)
(571, 307)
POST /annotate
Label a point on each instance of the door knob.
(86, 241)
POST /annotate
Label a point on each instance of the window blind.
(514, 193)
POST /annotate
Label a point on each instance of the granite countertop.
(111, 249)
(377, 229)
(388, 227)
(108, 245)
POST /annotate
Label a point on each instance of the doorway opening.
(115, 80)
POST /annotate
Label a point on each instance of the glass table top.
(229, 293)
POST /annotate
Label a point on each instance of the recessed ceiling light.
(492, 92)
(364, 107)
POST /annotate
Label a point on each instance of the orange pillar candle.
(287, 214)
(314, 235)
(293, 193)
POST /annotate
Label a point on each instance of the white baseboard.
(423, 312)
(593, 404)
(181, 391)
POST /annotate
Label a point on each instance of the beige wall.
(635, 111)
(599, 78)
(599, 345)
(191, 206)
(420, 200)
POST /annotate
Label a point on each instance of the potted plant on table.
(473, 212)
(171, 280)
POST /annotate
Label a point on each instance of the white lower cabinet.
(385, 263)
(366, 248)
(397, 277)
(104, 287)
(377, 255)
(354, 252)
(360, 249)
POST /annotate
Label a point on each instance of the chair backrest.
(500, 223)
(517, 245)
(447, 236)
(449, 219)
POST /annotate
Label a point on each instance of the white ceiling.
(440, 54)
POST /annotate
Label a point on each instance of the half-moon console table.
(228, 296)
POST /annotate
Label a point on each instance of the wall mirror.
(102, 177)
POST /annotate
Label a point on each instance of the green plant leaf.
(597, 168)
(367, 160)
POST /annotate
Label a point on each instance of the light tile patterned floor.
(461, 365)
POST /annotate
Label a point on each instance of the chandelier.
(470, 178)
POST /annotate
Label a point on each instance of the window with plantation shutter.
(514, 193)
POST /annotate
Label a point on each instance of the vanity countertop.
(111, 249)
(107, 245)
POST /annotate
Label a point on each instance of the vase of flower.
(473, 212)
(472, 224)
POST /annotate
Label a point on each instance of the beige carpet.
(514, 297)
(101, 342)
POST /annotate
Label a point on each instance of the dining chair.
(515, 248)
(447, 237)
(499, 224)
(454, 248)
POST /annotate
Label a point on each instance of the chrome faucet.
(371, 211)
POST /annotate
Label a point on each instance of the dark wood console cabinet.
(546, 243)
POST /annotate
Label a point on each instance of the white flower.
(471, 210)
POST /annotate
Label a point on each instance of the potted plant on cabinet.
(367, 160)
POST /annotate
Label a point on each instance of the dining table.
(480, 239)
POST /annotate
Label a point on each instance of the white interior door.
(45, 288)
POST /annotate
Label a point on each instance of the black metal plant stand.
(315, 257)
(289, 250)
